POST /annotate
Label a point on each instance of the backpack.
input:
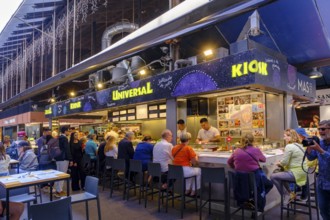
(12, 151)
(44, 157)
(54, 149)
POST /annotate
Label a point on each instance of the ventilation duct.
(118, 28)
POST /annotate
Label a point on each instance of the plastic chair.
(91, 193)
(58, 209)
(209, 176)
(21, 195)
(175, 173)
(118, 165)
(135, 169)
(154, 170)
(248, 179)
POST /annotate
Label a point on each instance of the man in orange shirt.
(185, 156)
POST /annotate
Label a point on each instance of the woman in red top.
(185, 156)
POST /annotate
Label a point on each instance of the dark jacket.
(65, 148)
(76, 152)
(244, 192)
(125, 149)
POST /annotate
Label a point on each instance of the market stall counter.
(219, 159)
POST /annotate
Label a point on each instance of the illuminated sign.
(75, 105)
(130, 93)
(253, 66)
(10, 121)
(48, 111)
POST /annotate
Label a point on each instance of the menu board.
(241, 114)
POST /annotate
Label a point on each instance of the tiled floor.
(116, 208)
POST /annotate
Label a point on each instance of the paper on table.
(28, 179)
(47, 176)
(8, 180)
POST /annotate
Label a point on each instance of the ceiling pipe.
(118, 28)
(200, 14)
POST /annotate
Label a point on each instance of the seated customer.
(185, 156)
(291, 161)
(143, 152)
(162, 154)
(110, 148)
(27, 159)
(246, 159)
(4, 161)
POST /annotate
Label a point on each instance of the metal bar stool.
(135, 168)
(155, 172)
(118, 165)
(175, 173)
(293, 205)
(209, 176)
(237, 179)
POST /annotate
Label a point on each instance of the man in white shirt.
(207, 133)
(162, 153)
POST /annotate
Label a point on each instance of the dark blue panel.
(294, 25)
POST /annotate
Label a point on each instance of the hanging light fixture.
(315, 73)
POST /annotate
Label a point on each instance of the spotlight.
(52, 100)
(142, 72)
(72, 94)
(315, 73)
(99, 85)
(208, 52)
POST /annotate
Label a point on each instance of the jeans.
(277, 178)
(324, 204)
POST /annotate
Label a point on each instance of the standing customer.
(185, 156)
(291, 162)
(62, 161)
(322, 152)
(162, 154)
(126, 150)
(77, 155)
(91, 147)
(4, 161)
(28, 161)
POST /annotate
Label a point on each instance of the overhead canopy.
(298, 29)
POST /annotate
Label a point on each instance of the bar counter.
(219, 159)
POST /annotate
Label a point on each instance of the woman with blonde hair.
(110, 148)
(4, 161)
(291, 165)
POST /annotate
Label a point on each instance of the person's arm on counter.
(230, 161)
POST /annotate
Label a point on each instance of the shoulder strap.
(299, 147)
(251, 156)
(176, 153)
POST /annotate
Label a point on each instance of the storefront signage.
(323, 95)
(75, 105)
(10, 121)
(130, 93)
(244, 68)
(48, 111)
(249, 68)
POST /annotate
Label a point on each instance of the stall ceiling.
(298, 29)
